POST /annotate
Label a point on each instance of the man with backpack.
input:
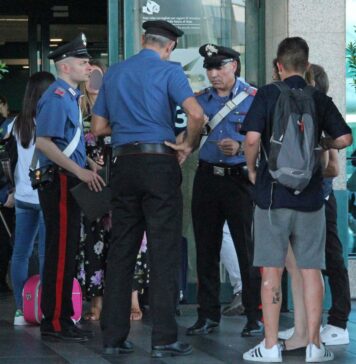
(287, 123)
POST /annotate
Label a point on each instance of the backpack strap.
(282, 86)
(310, 90)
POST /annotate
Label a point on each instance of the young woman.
(29, 217)
(94, 238)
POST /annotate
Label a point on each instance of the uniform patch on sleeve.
(251, 91)
(59, 91)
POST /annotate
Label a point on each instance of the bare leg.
(136, 313)
(300, 335)
(96, 304)
(313, 299)
(271, 294)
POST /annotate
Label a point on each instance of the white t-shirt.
(23, 188)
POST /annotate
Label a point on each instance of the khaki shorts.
(274, 229)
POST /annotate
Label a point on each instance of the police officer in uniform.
(137, 105)
(58, 126)
(221, 190)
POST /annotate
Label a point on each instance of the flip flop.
(296, 351)
(91, 316)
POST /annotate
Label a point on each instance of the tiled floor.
(24, 345)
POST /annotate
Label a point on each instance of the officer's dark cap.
(217, 56)
(76, 48)
(163, 28)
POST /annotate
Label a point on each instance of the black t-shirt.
(259, 119)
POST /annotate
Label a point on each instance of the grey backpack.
(294, 154)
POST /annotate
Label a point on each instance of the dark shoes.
(88, 333)
(68, 335)
(202, 327)
(235, 307)
(125, 347)
(175, 349)
(253, 328)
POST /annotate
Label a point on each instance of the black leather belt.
(223, 170)
(142, 148)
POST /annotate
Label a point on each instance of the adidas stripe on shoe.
(260, 354)
(314, 354)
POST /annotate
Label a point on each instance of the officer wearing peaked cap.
(222, 168)
(137, 105)
(60, 142)
(76, 48)
(217, 56)
(164, 28)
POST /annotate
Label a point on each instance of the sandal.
(93, 314)
(283, 346)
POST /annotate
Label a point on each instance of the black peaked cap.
(215, 56)
(163, 28)
(76, 48)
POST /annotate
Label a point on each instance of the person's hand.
(94, 181)
(228, 146)
(95, 167)
(252, 176)
(10, 202)
(183, 150)
(180, 137)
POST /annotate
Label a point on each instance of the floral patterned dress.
(142, 271)
(94, 236)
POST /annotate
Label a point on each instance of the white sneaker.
(19, 320)
(286, 334)
(260, 353)
(333, 335)
(313, 354)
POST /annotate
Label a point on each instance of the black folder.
(94, 205)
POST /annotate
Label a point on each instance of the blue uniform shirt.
(139, 98)
(228, 127)
(57, 117)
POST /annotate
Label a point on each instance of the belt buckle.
(219, 171)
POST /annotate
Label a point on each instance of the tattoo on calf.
(276, 295)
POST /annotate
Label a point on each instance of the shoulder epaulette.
(176, 63)
(59, 91)
(201, 92)
(251, 90)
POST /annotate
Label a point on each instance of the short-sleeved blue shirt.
(259, 119)
(139, 98)
(58, 117)
(229, 127)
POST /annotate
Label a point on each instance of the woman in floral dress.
(141, 280)
(94, 240)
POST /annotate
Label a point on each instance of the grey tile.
(24, 344)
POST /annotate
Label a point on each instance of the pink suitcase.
(31, 296)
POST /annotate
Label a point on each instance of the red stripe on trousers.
(61, 251)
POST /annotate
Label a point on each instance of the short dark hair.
(238, 68)
(293, 54)
(275, 70)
